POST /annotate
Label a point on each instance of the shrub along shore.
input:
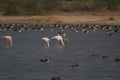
(45, 7)
(60, 11)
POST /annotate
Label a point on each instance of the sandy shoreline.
(63, 19)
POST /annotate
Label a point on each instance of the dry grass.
(65, 18)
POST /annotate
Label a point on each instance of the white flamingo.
(57, 39)
(7, 39)
(63, 35)
(46, 41)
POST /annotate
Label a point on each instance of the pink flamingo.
(46, 41)
(7, 39)
(57, 39)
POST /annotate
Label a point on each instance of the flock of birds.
(86, 28)
(56, 38)
(73, 27)
(60, 37)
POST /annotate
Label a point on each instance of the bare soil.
(77, 18)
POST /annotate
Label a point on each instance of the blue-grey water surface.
(21, 62)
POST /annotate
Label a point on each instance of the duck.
(117, 59)
(75, 66)
(44, 60)
(104, 56)
(55, 78)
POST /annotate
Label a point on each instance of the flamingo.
(63, 34)
(46, 41)
(7, 39)
(57, 39)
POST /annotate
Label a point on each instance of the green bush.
(44, 7)
(13, 10)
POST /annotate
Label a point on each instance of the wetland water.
(21, 62)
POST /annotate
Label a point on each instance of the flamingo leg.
(45, 45)
(8, 44)
(57, 43)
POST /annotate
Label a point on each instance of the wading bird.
(7, 41)
(58, 39)
(44, 60)
(46, 41)
(65, 40)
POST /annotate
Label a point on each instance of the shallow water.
(21, 62)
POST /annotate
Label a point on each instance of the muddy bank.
(64, 19)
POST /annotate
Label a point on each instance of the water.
(21, 62)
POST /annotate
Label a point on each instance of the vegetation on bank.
(45, 7)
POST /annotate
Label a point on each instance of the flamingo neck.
(48, 45)
(11, 43)
(62, 42)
